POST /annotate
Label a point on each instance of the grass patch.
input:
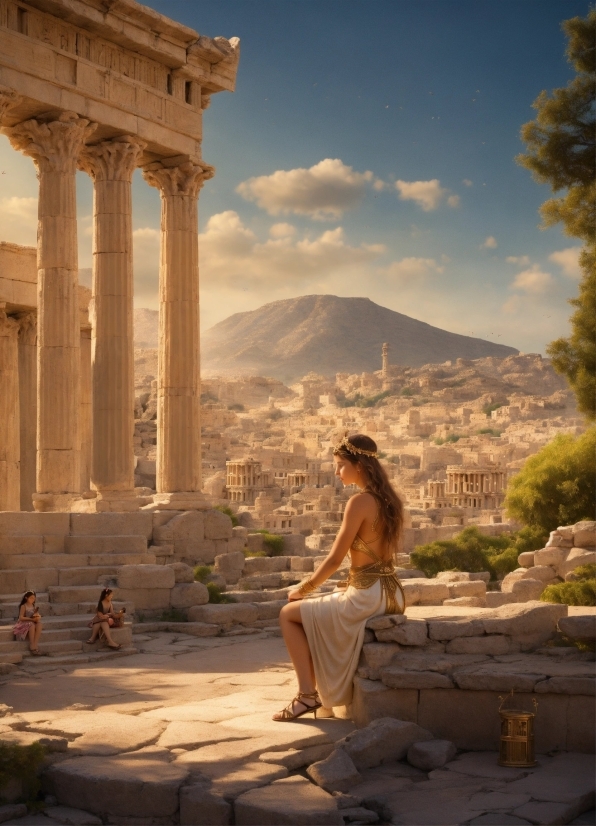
(488, 408)
(217, 596)
(21, 763)
(238, 408)
(571, 593)
(274, 543)
(489, 431)
(202, 573)
(228, 512)
(472, 551)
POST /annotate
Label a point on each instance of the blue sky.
(369, 150)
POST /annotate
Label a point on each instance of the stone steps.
(49, 633)
(36, 664)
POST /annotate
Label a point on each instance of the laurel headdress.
(346, 444)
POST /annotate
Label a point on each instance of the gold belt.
(365, 577)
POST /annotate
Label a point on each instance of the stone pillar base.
(181, 501)
(114, 502)
(59, 502)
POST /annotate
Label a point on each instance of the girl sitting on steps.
(104, 619)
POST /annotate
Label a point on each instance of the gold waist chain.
(365, 577)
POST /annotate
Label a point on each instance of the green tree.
(561, 151)
(556, 486)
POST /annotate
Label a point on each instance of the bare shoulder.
(362, 504)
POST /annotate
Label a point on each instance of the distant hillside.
(327, 334)
(145, 328)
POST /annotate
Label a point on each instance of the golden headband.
(347, 445)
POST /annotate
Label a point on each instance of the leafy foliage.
(228, 512)
(202, 573)
(358, 400)
(561, 146)
(217, 596)
(571, 593)
(556, 486)
(489, 431)
(472, 551)
(274, 543)
(21, 763)
(583, 572)
(488, 408)
(238, 408)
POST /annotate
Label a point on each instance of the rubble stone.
(200, 807)
(146, 576)
(336, 773)
(432, 754)
(382, 741)
(223, 614)
(185, 595)
(292, 801)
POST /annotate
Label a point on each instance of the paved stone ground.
(185, 709)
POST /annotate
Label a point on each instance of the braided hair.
(391, 509)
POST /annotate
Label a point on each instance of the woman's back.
(368, 533)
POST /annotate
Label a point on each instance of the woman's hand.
(295, 595)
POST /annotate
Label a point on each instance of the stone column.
(10, 484)
(86, 411)
(28, 405)
(178, 390)
(55, 147)
(111, 165)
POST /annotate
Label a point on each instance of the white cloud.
(230, 254)
(324, 191)
(467, 182)
(282, 230)
(522, 260)
(568, 261)
(532, 280)
(427, 194)
(18, 220)
(490, 243)
(412, 269)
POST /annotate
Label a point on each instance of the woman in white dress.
(324, 635)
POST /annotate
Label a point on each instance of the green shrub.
(556, 486)
(584, 572)
(488, 409)
(407, 391)
(439, 441)
(489, 431)
(472, 551)
(173, 615)
(236, 407)
(202, 573)
(216, 595)
(21, 763)
(228, 512)
(274, 543)
(571, 593)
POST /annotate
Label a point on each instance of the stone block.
(265, 565)
(11, 582)
(134, 544)
(195, 552)
(520, 619)
(297, 758)
(584, 534)
(16, 545)
(577, 557)
(302, 564)
(30, 523)
(292, 801)
(295, 545)
(494, 599)
(580, 723)
(188, 525)
(568, 778)
(336, 773)
(110, 524)
(493, 645)
(382, 741)
(42, 579)
(567, 685)
(377, 655)
(187, 594)
(13, 811)
(466, 602)
(145, 576)
(200, 807)
(372, 700)
(453, 576)
(556, 539)
(432, 754)
(581, 627)
(467, 718)
(541, 572)
(450, 629)
(257, 582)
(526, 559)
(412, 632)
(269, 610)
(551, 556)
(525, 590)
(255, 542)
(217, 525)
(230, 563)
(240, 532)
(510, 579)
(145, 598)
(224, 614)
(182, 572)
(535, 812)
(430, 591)
(71, 817)
(118, 787)
(396, 677)
(466, 589)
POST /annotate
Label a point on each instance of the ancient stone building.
(107, 88)
(246, 479)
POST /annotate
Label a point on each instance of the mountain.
(327, 334)
(145, 328)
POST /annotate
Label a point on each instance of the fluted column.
(28, 405)
(55, 147)
(111, 165)
(10, 497)
(86, 410)
(178, 389)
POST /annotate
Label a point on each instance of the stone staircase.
(67, 559)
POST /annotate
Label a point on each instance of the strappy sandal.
(90, 642)
(288, 713)
(35, 651)
(115, 647)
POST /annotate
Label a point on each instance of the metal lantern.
(517, 735)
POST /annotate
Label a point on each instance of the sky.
(368, 150)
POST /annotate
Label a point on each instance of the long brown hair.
(391, 509)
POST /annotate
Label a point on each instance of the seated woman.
(29, 622)
(104, 619)
(324, 636)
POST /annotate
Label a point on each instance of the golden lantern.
(517, 735)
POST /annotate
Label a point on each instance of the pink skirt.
(21, 629)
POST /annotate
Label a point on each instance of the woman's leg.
(290, 620)
(105, 627)
(37, 633)
(31, 636)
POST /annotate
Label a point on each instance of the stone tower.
(385, 367)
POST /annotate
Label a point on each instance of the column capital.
(27, 328)
(112, 160)
(8, 100)
(54, 145)
(8, 325)
(185, 179)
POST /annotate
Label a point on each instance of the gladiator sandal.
(288, 712)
